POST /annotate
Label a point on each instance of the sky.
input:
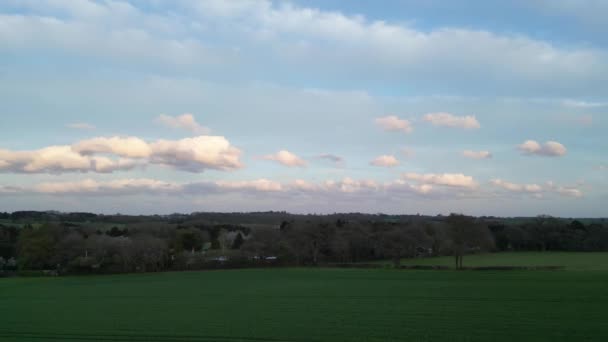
(322, 106)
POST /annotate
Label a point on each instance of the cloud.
(104, 155)
(115, 187)
(583, 104)
(336, 160)
(569, 192)
(477, 154)
(190, 154)
(288, 34)
(59, 159)
(548, 149)
(346, 190)
(286, 158)
(530, 188)
(130, 147)
(258, 185)
(197, 154)
(393, 123)
(538, 190)
(458, 180)
(80, 125)
(184, 121)
(390, 47)
(385, 161)
(451, 120)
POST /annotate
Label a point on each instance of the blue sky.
(486, 108)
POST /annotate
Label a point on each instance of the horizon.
(304, 107)
(304, 214)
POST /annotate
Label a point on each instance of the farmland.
(315, 304)
(572, 261)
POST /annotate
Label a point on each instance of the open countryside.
(303, 170)
(318, 304)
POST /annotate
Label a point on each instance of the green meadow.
(319, 304)
(572, 261)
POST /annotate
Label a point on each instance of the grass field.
(313, 305)
(572, 261)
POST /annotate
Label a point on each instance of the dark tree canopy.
(90, 243)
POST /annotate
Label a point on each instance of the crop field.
(572, 261)
(307, 304)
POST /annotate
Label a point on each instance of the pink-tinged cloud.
(185, 121)
(477, 154)
(538, 190)
(59, 159)
(548, 149)
(385, 161)
(393, 123)
(286, 158)
(451, 120)
(105, 155)
(445, 179)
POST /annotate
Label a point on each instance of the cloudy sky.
(411, 106)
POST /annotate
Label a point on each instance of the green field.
(572, 261)
(314, 305)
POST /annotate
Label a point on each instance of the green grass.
(574, 261)
(310, 305)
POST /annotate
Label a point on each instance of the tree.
(189, 239)
(37, 247)
(238, 241)
(262, 242)
(402, 242)
(467, 235)
(225, 239)
(69, 248)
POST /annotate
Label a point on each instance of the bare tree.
(402, 242)
(466, 236)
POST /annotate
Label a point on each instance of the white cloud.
(393, 123)
(531, 188)
(115, 187)
(583, 104)
(58, 159)
(92, 155)
(477, 154)
(286, 158)
(80, 125)
(349, 185)
(538, 190)
(258, 184)
(548, 149)
(385, 161)
(184, 121)
(446, 179)
(570, 192)
(196, 154)
(425, 186)
(289, 34)
(130, 147)
(451, 120)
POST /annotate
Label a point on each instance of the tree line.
(82, 243)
